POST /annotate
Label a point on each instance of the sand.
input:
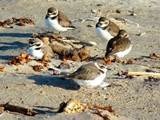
(136, 98)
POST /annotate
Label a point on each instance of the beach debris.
(66, 48)
(154, 56)
(141, 34)
(6, 23)
(151, 82)
(152, 79)
(1, 109)
(54, 71)
(69, 49)
(99, 4)
(46, 58)
(93, 10)
(150, 70)
(90, 25)
(118, 11)
(75, 106)
(126, 21)
(80, 54)
(46, 37)
(144, 74)
(37, 68)
(72, 106)
(105, 112)
(22, 21)
(17, 109)
(129, 61)
(124, 74)
(108, 61)
(2, 68)
(132, 12)
(21, 59)
(64, 65)
(114, 59)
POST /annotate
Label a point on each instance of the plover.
(89, 75)
(106, 29)
(35, 48)
(119, 46)
(56, 20)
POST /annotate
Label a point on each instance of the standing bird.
(119, 46)
(56, 20)
(106, 29)
(89, 75)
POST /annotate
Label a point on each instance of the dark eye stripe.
(53, 17)
(37, 48)
(37, 44)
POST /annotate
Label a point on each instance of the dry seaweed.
(17, 109)
(22, 21)
(154, 56)
(37, 68)
(21, 59)
(1, 68)
(72, 106)
(75, 106)
(124, 74)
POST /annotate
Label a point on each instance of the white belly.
(53, 24)
(104, 34)
(37, 54)
(92, 83)
(123, 53)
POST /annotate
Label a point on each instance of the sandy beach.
(136, 98)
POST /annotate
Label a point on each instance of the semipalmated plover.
(89, 75)
(56, 20)
(35, 49)
(119, 46)
(106, 29)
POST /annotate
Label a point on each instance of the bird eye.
(37, 48)
(50, 69)
(31, 42)
(54, 13)
(37, 44)
(102, 66)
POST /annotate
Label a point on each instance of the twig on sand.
(148, 74)
(82, 20)
(125, 20)
(17, 109)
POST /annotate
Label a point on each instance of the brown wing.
(63, 20)
(113, 29)
(117, 44)
(85, 72)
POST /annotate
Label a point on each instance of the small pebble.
(118, 11)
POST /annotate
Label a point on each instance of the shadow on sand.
(6, 57)
(18, 35)
(55, 81)
(13, 45)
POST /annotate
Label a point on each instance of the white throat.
(53, 24)
(37, 54)
(104, 34)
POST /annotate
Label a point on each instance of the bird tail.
(72, 27)
(93, 43)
